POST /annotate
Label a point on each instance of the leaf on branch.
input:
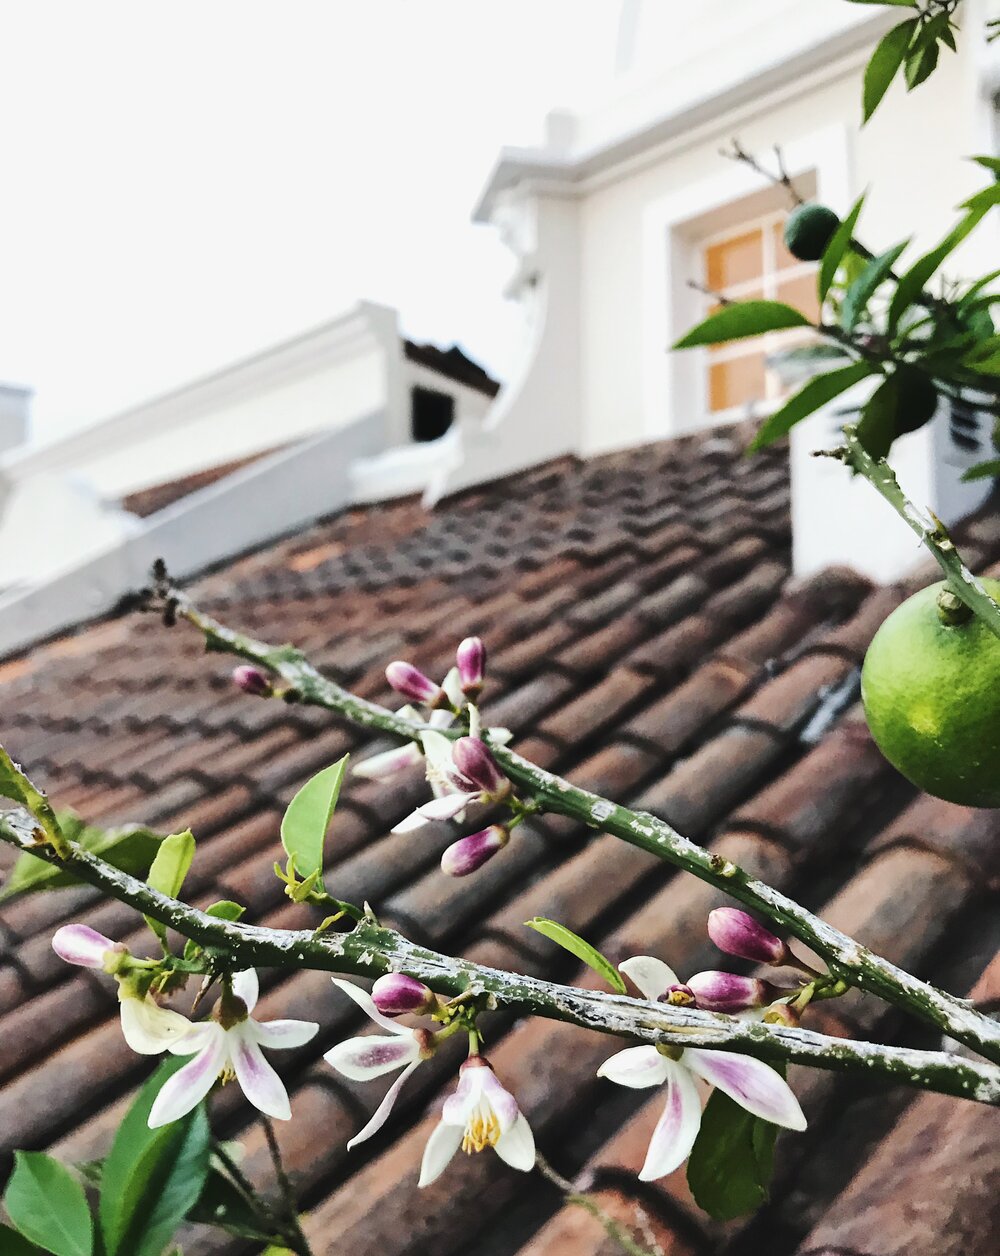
(305, 822)
(989, 163)
(840, 242)
(583, 951)
(14, 1244)
(152, 1178)
(169, 868)
(885, 62)
(983, 470)
(731, 1163)
(225, 909)
(921, 58)
(984, 357)
(16, 785)
(131, 850)
(813, 395)
(47, 1204)
(984, 199)
(740, 320)
(911, 284)
(867, 284)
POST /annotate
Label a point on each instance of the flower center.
(227, 1074)
(482, 1131)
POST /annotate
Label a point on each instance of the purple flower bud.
(79, 944)
(474, 761)
(726, 992)
(396, 994)
(413, 684)
(677, 995)
(470, 853)
(737, 933)
(471, 659)
(253, 681)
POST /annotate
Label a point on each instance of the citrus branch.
(925, 524)
(369, 950)
(846, 958)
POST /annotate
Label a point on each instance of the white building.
(608, 222)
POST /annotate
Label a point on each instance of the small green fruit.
(918, 399)
(809, 229)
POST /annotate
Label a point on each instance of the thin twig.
(614, 1229)
(291, 1208)
(738, 153)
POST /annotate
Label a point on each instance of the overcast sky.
(186, 183)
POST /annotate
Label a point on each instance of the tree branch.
(847, 959)
(370, 951)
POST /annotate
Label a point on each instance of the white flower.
(228, 1048)
(480, 1114)
(750, 1082)
(457, 780)
(389, 764)
(362, 1059)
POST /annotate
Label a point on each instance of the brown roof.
(147, 501)
(647, 642)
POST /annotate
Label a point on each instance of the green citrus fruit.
(918, 399)
(931, 693)
(808, 230)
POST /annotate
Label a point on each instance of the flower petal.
(364, 1000)
(413, 821)
(247, 987)
(361, 1059)
(280, 1034)
(753, 1084)
(381, 1113)
(197, 1037)
(636, 1067)
(676, 1129)
(516, 1146)
(441, 1146)
(150, 1029)
(460, 1103)
(390, 763)
(79, 944)
(452, 685)
(500, 1100)
(189, 1085)
(446, 807)
(259, 1082)
(652, 976)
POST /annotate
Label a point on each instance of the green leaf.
(989, 163)
(884, 64)
(304, 824)
(131, 849)
(740, 320)
(983, 470)
(221, 1204)
(814, 394)
(921, 59)
(138, 1161)
(48, 1206)
(867, 284)
(168, 870)
(840, 242)
(911, 284)
(18, 787)
(14, 1244)
(984, 199)
(730, 1165)
(225, 909)
(583, 951)
(178, 1191)
(876, 429)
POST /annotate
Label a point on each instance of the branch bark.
(370, 951)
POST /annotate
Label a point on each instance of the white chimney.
(15, 405)
(838, 517)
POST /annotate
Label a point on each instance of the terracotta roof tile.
(645, 641)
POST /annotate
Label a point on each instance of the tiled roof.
(647, 642)
(147, 501)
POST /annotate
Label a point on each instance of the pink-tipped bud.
(79, 944)
(396, 994)
(413, 684)
(737, 933)
(474, 761)
(470, 853)
(727, 992)
(471, 659)
(253, 681)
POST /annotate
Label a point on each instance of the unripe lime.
(931, 693)
(809, 229)
(918, 399)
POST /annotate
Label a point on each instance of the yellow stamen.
(482, 1131)
(228, 1074)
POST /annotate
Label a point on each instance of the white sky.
(187, 182)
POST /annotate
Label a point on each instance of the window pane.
(736, 381)
(801, 294)
(735, 261)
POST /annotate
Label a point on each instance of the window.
(431, 413)
(747, 263)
